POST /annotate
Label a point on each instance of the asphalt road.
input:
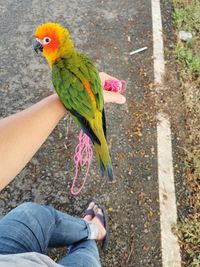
(106, 31)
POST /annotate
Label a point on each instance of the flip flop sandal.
(88, 211)
(104, 220)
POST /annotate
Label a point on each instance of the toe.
(95, 208)
(91, 205)
(99, 211)
(89, 214)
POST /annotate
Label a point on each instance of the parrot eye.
(46, 40)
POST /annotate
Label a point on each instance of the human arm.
(23, 133)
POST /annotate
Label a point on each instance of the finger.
(113, 97)
(104, 77)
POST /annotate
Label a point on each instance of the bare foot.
(96, 221)
(89, 217)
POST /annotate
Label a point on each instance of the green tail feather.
(104, 159)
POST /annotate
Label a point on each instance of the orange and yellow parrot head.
(53, 40)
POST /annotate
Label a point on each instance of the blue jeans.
(34, 228)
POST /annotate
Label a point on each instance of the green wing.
(92, 75)
(71, 90)
(67, 80)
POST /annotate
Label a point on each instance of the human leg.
(25, 229)
(85, 253)
(32, 227)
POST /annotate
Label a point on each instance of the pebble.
(35, 161)
(185, 36)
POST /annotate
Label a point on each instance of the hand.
(111, 97)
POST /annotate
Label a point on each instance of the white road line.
(167, 198)
(158, 52)
(168, 212)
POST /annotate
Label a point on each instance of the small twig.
(138, 50)
(132, 248)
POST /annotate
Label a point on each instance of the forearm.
(22, 134)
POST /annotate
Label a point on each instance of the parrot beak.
(37, 46)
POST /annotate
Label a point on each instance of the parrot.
(76, 81)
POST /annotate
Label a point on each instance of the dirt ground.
(107, 31)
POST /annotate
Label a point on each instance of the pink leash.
(82, 157)
(83, 152)
(115, 86)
